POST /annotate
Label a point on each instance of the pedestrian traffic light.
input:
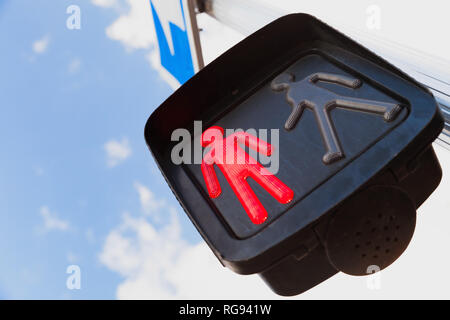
(298, 153)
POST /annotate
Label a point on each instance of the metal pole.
(247, 16)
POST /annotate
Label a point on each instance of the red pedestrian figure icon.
(237, 165)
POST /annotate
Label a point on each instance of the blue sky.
(78, 185)
(60, 107)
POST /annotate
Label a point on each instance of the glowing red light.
(237, 165)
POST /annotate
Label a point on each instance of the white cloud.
(117, 152)
(40, 46)
(105, 3)
(90, 235)
(51, 221)
(38, 171)
(159, 264)
(134, 29)
(149, 203)
(71, 257)
(74, 66)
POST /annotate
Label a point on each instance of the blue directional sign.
(178, 39)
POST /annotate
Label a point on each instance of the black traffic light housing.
(352, 209)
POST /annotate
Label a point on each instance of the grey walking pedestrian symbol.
(306, 94)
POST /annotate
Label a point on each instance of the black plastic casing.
(296, 249)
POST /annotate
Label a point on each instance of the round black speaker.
(370, 230)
